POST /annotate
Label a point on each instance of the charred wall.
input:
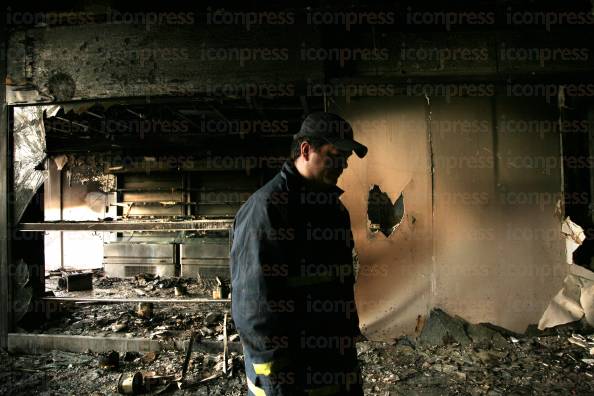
(480, 235)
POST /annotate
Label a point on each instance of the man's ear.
(305, 149)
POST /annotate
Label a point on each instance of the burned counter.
(138, 198)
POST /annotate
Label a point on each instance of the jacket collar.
(297, 182)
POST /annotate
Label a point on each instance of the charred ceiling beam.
(401, 57)
(127, 61)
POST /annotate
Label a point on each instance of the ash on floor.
(143, 285)
(81, 373)
(449, 357)
(162, 321)
(529, 365)
(124, 320)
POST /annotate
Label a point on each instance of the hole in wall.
(384, 216)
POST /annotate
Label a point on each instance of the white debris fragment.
(576, 299)
(574, 237)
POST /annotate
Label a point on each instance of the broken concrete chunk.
(160, 334)
(442, 329)
(149, 357)
(119, 327)
(481, 334)
(211, 318)
(109, 361)
(80, 324)
(206, 331)
(444, 368)
(130, 356)
(489, 357)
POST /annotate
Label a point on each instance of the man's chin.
(331, 180)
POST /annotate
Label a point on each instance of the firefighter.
(292, 271)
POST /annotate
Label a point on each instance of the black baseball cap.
(333, 129)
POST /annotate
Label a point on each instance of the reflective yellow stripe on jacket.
(263, 368)
(254, 389)
(267, 368)
(331, 390)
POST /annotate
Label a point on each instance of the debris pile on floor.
(150, 319)
(442, 329)
(100, 374)
(142, 285)
(450, 356)
(145, 320)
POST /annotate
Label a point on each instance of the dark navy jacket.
(292, 284)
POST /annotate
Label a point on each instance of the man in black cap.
(292, 271)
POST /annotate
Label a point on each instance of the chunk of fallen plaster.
(481, 334)
(441, 329)
(576, 299)
(564, 307)
(574, 237)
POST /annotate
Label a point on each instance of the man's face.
(326, 164)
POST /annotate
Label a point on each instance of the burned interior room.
(297, 198)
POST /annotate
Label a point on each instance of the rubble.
(485, 336)
(539, 364)
(450, 355)
(110, 361)
(143, 319)
(142, 285)
(164, 321)
(76, 281)
(441, 329)
(70, 373)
